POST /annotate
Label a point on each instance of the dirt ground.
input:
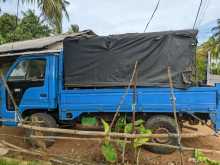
(88, 152)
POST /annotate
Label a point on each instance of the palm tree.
(213, 47)
(215, 40)
(216, 30)
(52, 10)
(0, 7)
(74, 28)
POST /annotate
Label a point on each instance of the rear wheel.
(42, 120)
(161, 124)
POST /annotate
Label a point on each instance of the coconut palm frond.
(52, 10)
(216, 31)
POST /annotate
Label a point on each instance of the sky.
(122, 16)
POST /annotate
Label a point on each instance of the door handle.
(43, 95)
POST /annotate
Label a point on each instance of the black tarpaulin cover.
(106, 61)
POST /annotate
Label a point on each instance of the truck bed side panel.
(202, 99)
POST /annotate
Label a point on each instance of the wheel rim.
(163, 140)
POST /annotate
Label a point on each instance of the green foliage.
(212, 46)
(32, 27)
(52, 11)
(139, 128)
(106, 126)
(73, 29)
(89, 121)
(201, 67)
(141, 141)
(29, 27)
(120, 124)
(137, 124)
(7, 27)
(9, 161)
(216, 30)
(128, 128)
(34, 162)
(216, 69)
(109, 152)
(201, 158)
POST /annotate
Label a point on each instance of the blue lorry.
(38, 88)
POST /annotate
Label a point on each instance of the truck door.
(28, 82)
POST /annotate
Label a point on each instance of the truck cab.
(32, 80)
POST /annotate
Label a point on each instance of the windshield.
(28, 70)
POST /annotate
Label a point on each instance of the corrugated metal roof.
(35, 44)
(40, 52)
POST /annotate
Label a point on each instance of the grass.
(10, 161)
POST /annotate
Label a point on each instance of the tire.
(162, 124)
(47, 121)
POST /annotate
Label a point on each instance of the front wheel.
(162, 124)
(42, 120)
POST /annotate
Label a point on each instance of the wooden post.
(123, 97)
(173, 101)
(134, 100)
(12, 98)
